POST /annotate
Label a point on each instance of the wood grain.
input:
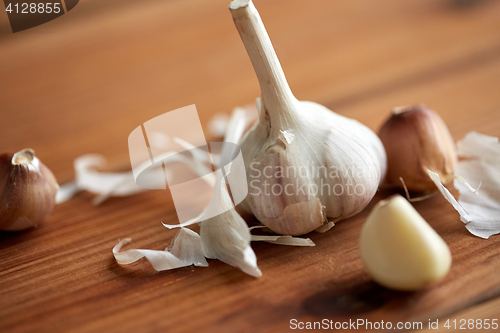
(81, 83)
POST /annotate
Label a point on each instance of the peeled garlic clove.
(399, 248)
(304, 162)
(416, 140)
(27, 190)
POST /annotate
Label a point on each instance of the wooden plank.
(82, 82)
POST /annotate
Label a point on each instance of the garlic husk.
(226, 237)
(66, 192)
(301, 136)
(400, 249)
(218, 124)
(105, 184)
(280, 240)
(108, 184)
(28, 189)
(185, 250)
(416, 139)
(479, 160)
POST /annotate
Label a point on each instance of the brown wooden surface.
(81, 83)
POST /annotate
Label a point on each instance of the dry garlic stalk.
(416, 140)
(304, 162)
(399, 249)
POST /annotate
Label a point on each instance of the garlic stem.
(23, 157)
(276, 93)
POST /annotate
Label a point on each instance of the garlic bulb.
(399, 249)
(305, 164)
(28, 189)
(416, 140)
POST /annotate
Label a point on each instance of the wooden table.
(81, 83)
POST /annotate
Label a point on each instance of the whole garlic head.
(27, 190)
(305, 163)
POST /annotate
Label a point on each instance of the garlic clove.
(293, 140)
(28, 189)
(400, 249)
(416, 140)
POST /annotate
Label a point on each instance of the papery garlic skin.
(224, 235)
(479, 160)
(27, 191)
(296, 135)
(185, 250)
(416, 140)
(400, 249)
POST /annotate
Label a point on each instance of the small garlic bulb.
(416, 140)
(400, 249)
(305, 163)
(27, 190)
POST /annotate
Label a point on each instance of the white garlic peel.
(400, 249)
(280, 240)
(66, 192)
(284, 240)
(224, 236)
(479, 210)
(218, 124)
(184, 251)
(108, 184)
(299, 138)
